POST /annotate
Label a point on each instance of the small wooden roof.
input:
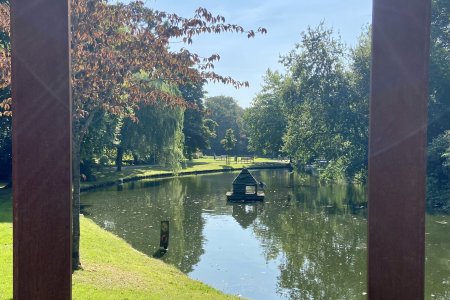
(245, 178)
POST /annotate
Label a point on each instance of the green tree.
(358, 110)
(98, 142)
(227, 114)
(157, 135)
(438, 179)
(316, 96)
(156, 138)
(229, 142)
(438, 170)
(5, 149)
(264, 121)
(439, 105)
(197, 129)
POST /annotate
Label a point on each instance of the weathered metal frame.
(397, 148)
(41, 149)
(42, 136)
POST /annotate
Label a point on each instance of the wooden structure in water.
(245, 188)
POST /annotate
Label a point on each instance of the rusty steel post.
(397, 148)
(41, 149)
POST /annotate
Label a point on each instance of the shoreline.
(168, 174)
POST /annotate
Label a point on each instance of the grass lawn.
(109, 174)
(112, 268)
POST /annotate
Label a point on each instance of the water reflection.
(305, 241)
(134, 213)
(245, 214)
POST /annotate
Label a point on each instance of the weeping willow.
(157, 135)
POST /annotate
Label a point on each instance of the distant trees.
(198, 129)
(228, 115)
(229, 141)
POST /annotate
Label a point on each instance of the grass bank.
(112, 268)
(109, 176)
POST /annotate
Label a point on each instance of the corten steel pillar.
(41, 149)
(397, 148)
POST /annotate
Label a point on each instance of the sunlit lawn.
(109, 174)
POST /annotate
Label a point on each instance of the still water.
(305, 241)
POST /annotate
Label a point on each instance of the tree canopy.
(5, 93)
(227, 113)
(264, 121)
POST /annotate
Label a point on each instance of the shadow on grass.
(197, 163)
(5, 206)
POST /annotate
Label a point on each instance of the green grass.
(110, 175)
(6, 250)
(112, 268)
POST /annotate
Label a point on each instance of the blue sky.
(248, 59)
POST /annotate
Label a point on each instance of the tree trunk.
(119, 158)
(78, 131)
(135, 159)
(76, 203)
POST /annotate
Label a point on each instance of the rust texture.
(41, 149)
(397, 148)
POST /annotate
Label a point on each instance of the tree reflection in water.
(321, 257)
(137, 209)
(311, 237)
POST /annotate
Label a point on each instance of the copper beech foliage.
(5, 60)
(113, 42)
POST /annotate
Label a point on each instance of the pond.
(305, 241)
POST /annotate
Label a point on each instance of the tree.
(438, 175)
(228, 142)
(264, 130)
(157, 134)
(157, 137)
(5, 149)
(227, 114)
(439, 104)
(5, 93)
(358, 110)
(5, 59)
(98, 141)
(197, 129)
(113, 43)
(316, 96)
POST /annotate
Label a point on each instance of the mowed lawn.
(112, 268)
(109, 174)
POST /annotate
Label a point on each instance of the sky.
(248, 59)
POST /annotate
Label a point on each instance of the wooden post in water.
(164, 236)
(41, 149)
(397, 148)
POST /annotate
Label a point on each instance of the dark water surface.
(305, 241)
